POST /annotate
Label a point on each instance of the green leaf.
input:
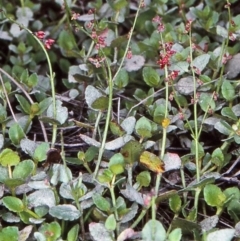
(16, 134)
(40, 152)
(206, 101)
(218, 157)
(131, 151)
(139, 94)
(66, 40)
(9, 158)
(233, 192)
(41, 211)
(116, 129)
(25, 233)
(35, 109)
(221, 31)
(223, 127)
(42, 197)
(44, 104)
(13, 182)
(73, 233)
(21, 48)
(117, 5)
(175, 235)
(200, 149)
(13, 204)
(111, 223)
(225, 234)
(91, 153)
(3, 173)
(100, 103)
(99, 232)
(32, 80)
(152, 162)
(228, 91)
(227, 111)
(3, 114)
(116, 164)
(49, 120)
(23, 103)
(101, 202)
(175, 203)
(185, 225)
(153, 231)
(60, 174)
(201, 61)
(159, 114)
(151, 77)
(214, 196)
(52, 231)
(24, 76)
(23, 169)
(144, 178)
(65, 212)
(106, 176)
(91, 95)
(143, 127)
(121, 80)
(117, 169)
(9, 233)
(61, 112)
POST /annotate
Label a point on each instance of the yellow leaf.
(165, 122)
(152, 162)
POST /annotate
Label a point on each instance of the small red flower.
(129, 53)
(48, 43)
(40, 34)
(157, 19)
(171, 96)
(232, 36)
(161, 27)
(91, 11)
(225, 58)
(75, 16)
(233, 23)
(188, 25)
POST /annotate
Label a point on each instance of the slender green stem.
(129, 40)
(31, 213)
(129, 171)
(51, 76)
(28, 97)
(110, 87)
(164, 137)
(196, 133)
(108, 118)
(224, 48)
(111, 188)
(96, 124)
(196, 198)
(7, 99)
(139, 218)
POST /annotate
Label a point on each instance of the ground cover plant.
(119, 120)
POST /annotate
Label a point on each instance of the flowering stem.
(196, 133)
(51, 76)
(110, 96)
